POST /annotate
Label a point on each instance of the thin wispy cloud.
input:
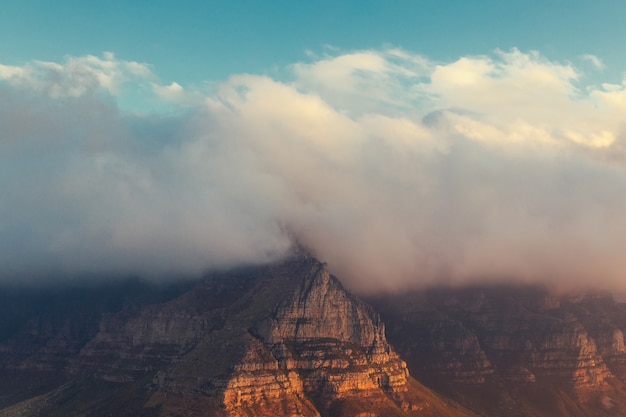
(398, 170)
(594, 60)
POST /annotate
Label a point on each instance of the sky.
(405, 143)
(199, 41)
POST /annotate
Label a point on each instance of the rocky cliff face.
(512, 344)
(281, 340)
(288, 340)
(304, 339)
(320, 330)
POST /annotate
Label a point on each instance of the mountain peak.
(278, 340)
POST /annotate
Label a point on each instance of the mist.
(398, 171)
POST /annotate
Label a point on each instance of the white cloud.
(594, 60)
(77, 75)
(362, 81)
(397, 170)
(8, 72)
(173, 92)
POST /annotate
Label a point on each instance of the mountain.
(279, 340)
(512, 350)
(288, 340)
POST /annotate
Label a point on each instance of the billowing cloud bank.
(396, 170)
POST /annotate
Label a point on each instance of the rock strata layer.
(512, 344)
(280, 340)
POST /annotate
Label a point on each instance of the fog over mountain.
(397, 170)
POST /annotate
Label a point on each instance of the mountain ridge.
(287, 339)
(284, 339)
(525, 348)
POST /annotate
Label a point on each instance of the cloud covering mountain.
(397, 170)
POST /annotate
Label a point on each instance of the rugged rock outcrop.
(512, 344)
(280, 340)
(288, 340)
(296, 334)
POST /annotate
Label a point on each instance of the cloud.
(77, 76)
(364, 80)
(172, 92)
(397, 170)
(594, 60)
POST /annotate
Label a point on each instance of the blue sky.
(196, 41)
(406, 143)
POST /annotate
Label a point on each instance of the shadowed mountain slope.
(514, 351)
(279, 340)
